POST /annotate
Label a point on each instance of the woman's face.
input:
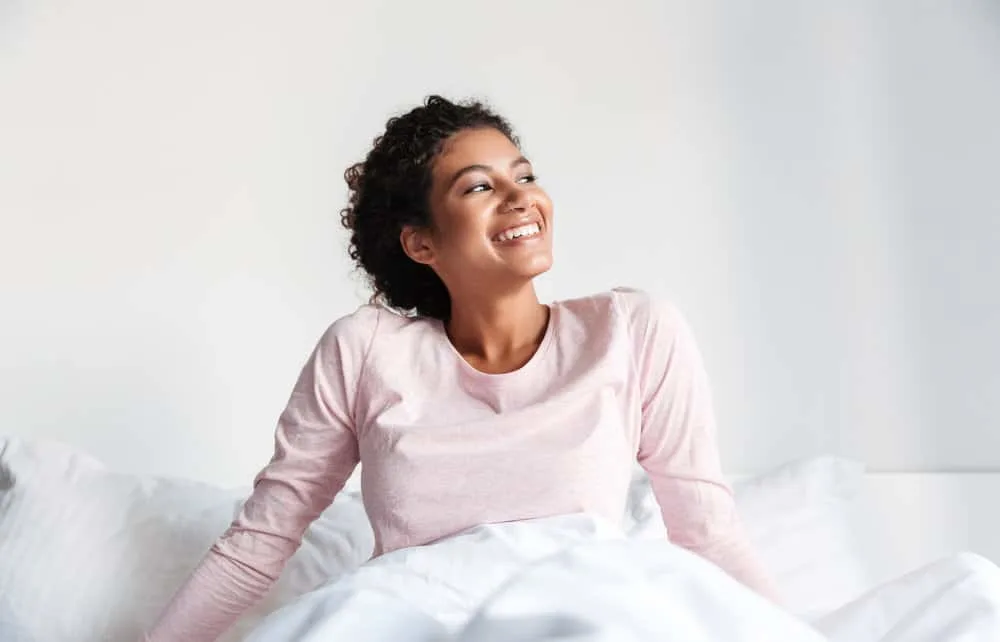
(492, 223)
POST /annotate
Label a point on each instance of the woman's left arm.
(678, 448)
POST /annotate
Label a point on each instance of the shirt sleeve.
(677, 444)
(315, 451)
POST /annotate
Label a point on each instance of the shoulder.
(659, 333)
(644, 311)
(361, 331)
(636, 309)
(354, 327)
(354, 333)
(348, 343)
(641, 321)
(368, 320)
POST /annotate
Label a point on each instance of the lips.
(522, 230)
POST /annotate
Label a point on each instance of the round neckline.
(503, 377)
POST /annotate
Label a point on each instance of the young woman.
(465, 399)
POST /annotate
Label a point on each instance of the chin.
(538, 267)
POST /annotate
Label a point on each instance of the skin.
(481, 185)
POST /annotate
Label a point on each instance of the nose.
(518, 199)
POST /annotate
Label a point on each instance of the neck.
(498, 333)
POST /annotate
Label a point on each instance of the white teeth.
(517, 232)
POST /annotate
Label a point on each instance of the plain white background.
(814, 184)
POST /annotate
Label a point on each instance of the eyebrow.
(520, 160)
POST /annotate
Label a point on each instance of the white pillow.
(87, 554)
(804, 518)
(801, 519)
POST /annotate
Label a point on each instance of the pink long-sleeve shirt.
(444, 447)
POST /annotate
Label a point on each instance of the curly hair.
(390, 190)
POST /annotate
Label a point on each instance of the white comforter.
(573, 578)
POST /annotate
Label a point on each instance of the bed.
(89, 554)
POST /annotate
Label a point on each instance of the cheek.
(543, 202)
(461, 228)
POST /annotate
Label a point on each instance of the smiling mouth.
(520, 232)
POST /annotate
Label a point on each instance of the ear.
(417, 244)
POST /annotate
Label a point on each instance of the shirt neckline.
(503, 377)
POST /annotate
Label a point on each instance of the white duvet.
(574, 578)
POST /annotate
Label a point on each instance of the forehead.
(484, 146)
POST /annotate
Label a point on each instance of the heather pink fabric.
(444, 447)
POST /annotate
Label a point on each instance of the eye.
(478, 187)
(528, 178)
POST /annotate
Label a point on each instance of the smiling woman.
(465, 399)
(424, 202)
(491, 222)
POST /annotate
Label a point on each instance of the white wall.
(815, 186)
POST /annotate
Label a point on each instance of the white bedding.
(562, 578)
(574, 578)
(111, 548)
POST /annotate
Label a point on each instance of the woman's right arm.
(315, 452)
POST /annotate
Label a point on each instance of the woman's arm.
(678, 449)
(315, 452)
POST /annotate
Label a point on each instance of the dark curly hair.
(390, 190)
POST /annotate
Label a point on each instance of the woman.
(466, 400)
